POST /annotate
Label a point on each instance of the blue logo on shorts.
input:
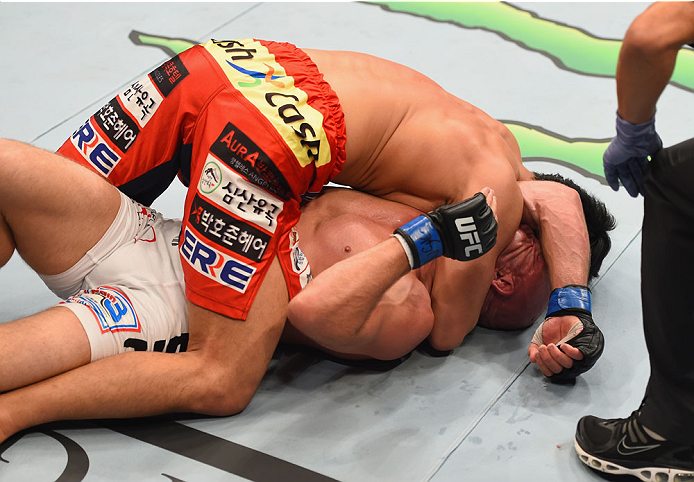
(112, 309)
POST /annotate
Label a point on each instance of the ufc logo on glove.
(468, 232)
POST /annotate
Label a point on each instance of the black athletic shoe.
(624, 446)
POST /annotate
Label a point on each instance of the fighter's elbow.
(303, 311)
(445, 341)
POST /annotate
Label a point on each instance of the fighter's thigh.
(242, 349)
(41, 346)
(53, 209)
(135, 318)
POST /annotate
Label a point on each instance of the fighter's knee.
(222, 404)
(6, 144)
(13, 156)
(7, 243)
(223, 394)
(9, 148)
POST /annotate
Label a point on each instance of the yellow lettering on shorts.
(254, 72)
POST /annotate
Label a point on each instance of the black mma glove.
(462, 231)
(575, 300)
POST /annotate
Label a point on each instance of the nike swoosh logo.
(624, 449)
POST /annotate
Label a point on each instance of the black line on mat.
(214, 451)
(77, 459)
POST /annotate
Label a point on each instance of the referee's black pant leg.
(667, 291)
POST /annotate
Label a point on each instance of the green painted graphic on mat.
(170, 45)
(569, 48)
(539, 144)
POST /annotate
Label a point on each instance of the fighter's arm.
(555, 211)
(648, 55)
(459, 289)
(362, 304)
(356, 304)
(457, 298)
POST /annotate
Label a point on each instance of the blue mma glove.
(462, 231)
(575, 300)
(626, 156)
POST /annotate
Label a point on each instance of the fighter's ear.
(503, 282)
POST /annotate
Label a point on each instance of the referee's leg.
(667, 290)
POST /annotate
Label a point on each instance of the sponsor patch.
(299, 260)
(300, 263)
(168, 75)
(117, 125)
(220, 228)
(211, 177)
(111, 308)
(241, 154)
(141, 99)
(242, 198)
(215, 265)
(94, 149)
(255, 73)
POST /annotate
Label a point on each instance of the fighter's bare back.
(410, 141)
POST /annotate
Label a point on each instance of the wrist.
(569, 300)
(420, 240)
(406, 247)
(639, 130)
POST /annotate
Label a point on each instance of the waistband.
(308, 77)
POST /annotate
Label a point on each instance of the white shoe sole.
(647, 474)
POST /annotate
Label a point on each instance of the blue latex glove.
(626, 157)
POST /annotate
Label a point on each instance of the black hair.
(598, 219)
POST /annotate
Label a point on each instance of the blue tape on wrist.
(569, 297)
(425, 237)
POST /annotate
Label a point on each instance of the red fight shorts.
(252, 128)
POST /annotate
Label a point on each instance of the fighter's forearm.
(334, 307)
(556, 212)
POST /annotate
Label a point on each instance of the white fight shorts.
(128, 290)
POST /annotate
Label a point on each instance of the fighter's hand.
(547, 352)
(462, 231)
(568, 343)
(626, 158)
